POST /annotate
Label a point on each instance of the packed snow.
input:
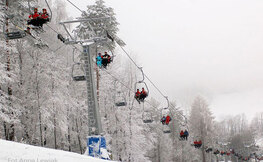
(17, 152)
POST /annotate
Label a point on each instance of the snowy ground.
(17, 152)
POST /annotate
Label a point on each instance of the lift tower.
(95, 139)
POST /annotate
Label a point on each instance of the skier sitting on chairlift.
(195, 144)
(182, 135)
(168, 119)
(106, 59)
(143, 95)
(186, 134)
(163, 119)
(34, 18)
(44, 17)
(99, 60)
(137, 95)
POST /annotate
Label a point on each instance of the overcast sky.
(211, 48)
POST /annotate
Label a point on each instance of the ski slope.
(17, 152)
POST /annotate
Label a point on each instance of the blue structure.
(97, 147)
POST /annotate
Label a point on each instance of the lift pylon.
(95, 132)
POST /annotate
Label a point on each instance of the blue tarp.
(95, 144)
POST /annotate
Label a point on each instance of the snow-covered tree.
(201, 123)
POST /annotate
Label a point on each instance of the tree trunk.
(38, 105)
(77, 127)
(6, 131)
(203, 153)
(10, 129)
(55, 130)
(69, 140)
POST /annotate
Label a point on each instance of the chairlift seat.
(166, 129)
(147, 120)
(121, 103)
(79, 78)
(147, 117)
(15, 35)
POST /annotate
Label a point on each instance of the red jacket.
(34, 16)
(44, 16)
(182, 133)
(137, 94)
(167, 119)
(200, 142)
(195, 142)
(144, 92)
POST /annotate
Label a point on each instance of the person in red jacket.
(143, 95)
(168, 119)
(195, 143)
(44, 14)
(182, 135)
(109, 57)
(44, 17)
(34, 18)
(35, 15)
(106, 59)
(137, 95)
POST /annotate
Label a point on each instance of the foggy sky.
(211, 48)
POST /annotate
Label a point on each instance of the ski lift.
(120, 100)
(106, 60)
(16, 34)
(166, 112)
(141, 82)
(50, 11)
(168, 103)
(147, 117)
(37, 23)
(166, 129)
(78, 72)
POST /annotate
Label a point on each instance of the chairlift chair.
(120, 101)
(166, 129)
(120, 104)
(77, 73)
(15, 35)
(141, 82)
(147, 117)
(145, 86)
(165, 112)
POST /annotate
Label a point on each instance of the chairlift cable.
(52, 29)
(129, 58)
(49, 10)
